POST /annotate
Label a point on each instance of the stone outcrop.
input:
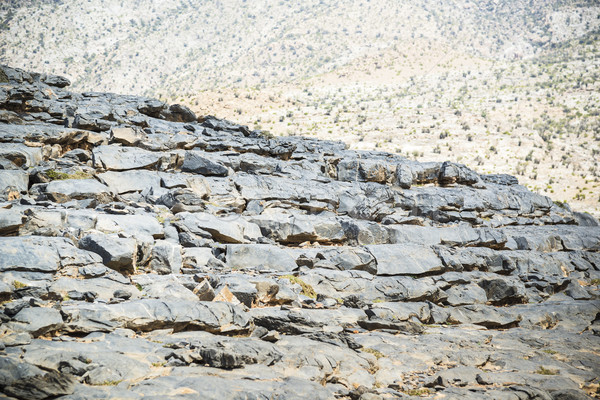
(145, 252)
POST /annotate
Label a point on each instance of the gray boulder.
(34, 383)
(405, 259)
(130, 181)
(78, 189)
(178, 113)
(337, 257)
(17, 179)
(126, 135)
(297, 191)
(20, 155)
(103, 287)
(502, 291)
(116, 158)
(165, 257)
(151, 314)
(117, 253)
(33, 253)
(144, 227)
(365, 170)
(404, 176)
(304, 321)
(490, 317)
(37, 320)
(460, 295)
(260, 256)
(233, 229)
(197, 163)
(298, 228)
(10, 221)
(224, 353)
(163, 287)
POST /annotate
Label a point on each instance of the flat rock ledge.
(146, 252)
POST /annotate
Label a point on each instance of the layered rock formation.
(145, 253)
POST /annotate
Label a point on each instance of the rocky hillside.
(534, 118)
(505, 86)
(182, 47)
(148, 253)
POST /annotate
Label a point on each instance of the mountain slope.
(148, 253)
(183, 46)
(506, 86)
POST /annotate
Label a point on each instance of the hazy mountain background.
(502, 86)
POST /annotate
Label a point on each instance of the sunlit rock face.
(146, 251)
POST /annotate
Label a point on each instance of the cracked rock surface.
(149, 253)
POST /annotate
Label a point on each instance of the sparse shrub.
(59, 176)
(545, 371)
(376, 353)
(529, 156)
(19, 285)
(417, 392)
(307, 290)
(109, 383)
